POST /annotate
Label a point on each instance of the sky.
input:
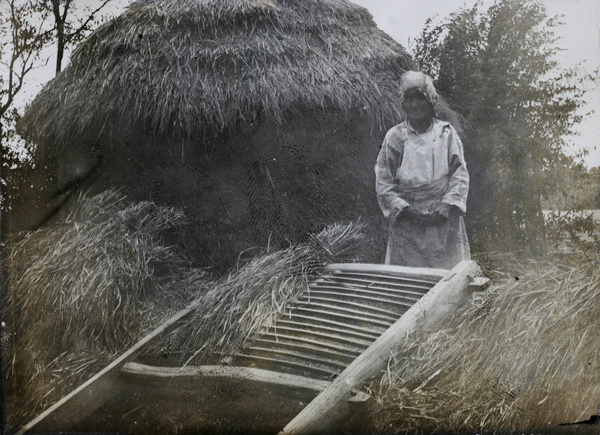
(403, 20)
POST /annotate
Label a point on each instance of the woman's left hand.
(441, 212)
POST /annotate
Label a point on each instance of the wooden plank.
(364, 295)
(479, 284)
(330, 308)
(344, 337)
(238, 373)
(309, 327)
(369, 290)
(90, 395)
(374, 330)
(340, 301)
(446, 295)
(307, 343)
(393, 284)
(224, 372)
(410, 272)
(301, 355)
(323, 368)
(324, 314)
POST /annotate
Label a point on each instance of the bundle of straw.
(81, 291)
(239, 304)
(525, 355)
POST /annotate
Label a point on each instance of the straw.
(524, 355)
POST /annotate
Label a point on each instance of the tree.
(70, 31)
(23, 37)
(27, 28)
(497, 69)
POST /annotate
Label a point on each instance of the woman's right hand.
(410, 212)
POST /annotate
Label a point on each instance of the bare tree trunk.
(60, 20)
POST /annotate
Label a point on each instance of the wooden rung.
(370, 317)
(324, 323)
(392, 284)
(251, 374)
(339, 337)
(296, 365)
(409, 272)
(225, 372)
(299, 356)
(374, 297)
(311, 298)
(408, 294)
(307, 343)
(353, 319)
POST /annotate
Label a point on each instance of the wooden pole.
(447, 295)
(90, 395)
(200, 373)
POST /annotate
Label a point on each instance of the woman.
(422, 183)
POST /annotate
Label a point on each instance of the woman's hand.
(414, 214)
(441, 212)
(410, 212)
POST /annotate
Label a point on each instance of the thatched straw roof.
(180, 67)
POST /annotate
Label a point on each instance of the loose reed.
(81, 291)
(239, 304)
(524, 355)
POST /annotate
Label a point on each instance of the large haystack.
(259, 118)
(181, 67)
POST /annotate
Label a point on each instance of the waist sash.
(431, 192)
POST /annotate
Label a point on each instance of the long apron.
(425, 243)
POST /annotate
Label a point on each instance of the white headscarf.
(420, 81)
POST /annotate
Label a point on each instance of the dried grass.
(524, 355)
(80, 292)
(176, 67)
(238, 305)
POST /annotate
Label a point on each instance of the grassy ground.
(522, 355)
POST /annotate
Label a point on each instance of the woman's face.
(416, 106)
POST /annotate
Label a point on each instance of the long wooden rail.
(97, 389)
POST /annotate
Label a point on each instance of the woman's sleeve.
(388, 196)
(458, 184)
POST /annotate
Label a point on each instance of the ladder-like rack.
(336, 319)
(325, 344)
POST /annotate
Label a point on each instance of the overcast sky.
(403, 20)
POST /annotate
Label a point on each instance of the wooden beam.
(225, 372)
(237, 373)
(90, 395)
(445, 296)
(409, 272)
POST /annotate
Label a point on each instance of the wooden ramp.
(299, 376)
(336, 319)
